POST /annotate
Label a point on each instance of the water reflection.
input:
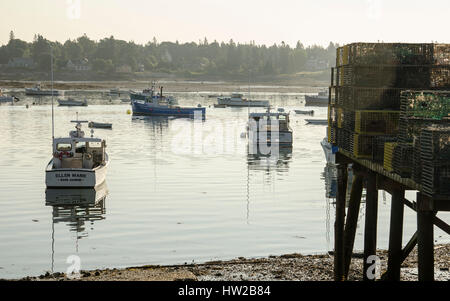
(158, 124)
(76, 207)
(330, 176)
(269, 162)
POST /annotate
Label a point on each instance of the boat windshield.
(95, 144)
(64, 147)
(80, 147)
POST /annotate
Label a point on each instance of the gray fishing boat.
(38, 91)
(237, 100)
(72, 103)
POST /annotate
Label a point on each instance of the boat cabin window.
(95, 144)
(64, 147)
(80, 147)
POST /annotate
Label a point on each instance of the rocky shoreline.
(292, 267)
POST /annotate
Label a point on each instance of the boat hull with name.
(75, 177)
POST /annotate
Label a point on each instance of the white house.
(79, 65)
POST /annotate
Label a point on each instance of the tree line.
(203, 57)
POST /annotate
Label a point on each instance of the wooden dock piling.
(339, 222)
(370, 227)
(352, 219)
(396, 235)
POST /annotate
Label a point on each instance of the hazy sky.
(264, 21)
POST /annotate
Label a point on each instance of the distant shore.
(295, 267)
(169, 86)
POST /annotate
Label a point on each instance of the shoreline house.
(21, 62)
(79, 65)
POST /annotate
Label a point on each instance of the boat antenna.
(248, 100)
(53, 113)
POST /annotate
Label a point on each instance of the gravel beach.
(292, 267)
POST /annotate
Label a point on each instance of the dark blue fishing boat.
(150, 104)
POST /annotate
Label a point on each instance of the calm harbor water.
(177, 191)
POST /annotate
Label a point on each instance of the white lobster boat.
(77, 162)
(269, 128)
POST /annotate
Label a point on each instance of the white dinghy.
(77, 162)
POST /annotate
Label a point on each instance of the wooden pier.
(373, 177)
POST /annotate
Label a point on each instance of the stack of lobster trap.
(386, 101)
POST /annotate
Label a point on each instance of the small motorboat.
(7, 99)
(37, 91)
(317, 121)
(237, 100)
(329, 151)
(301, 112)
(78, 162)
(99, 125)
(269, 128)
(320, 100)
(72, 103)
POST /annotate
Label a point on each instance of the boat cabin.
(77, 151)
(282, 118)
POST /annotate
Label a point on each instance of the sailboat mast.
(53, 113)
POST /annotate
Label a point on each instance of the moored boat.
(37, 91)
(237, 100)
(99, 125)
(317, 100)
(329, 151)
(150, 95)
(159, 105)
(269, 128)
(317, 121)
(302, 112)
(6, 98)
(72, 103)
(78, 162)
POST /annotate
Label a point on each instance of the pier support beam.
(352, 220)
(339, 222)
(425, 238)
(370, 227)
(395, 235)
